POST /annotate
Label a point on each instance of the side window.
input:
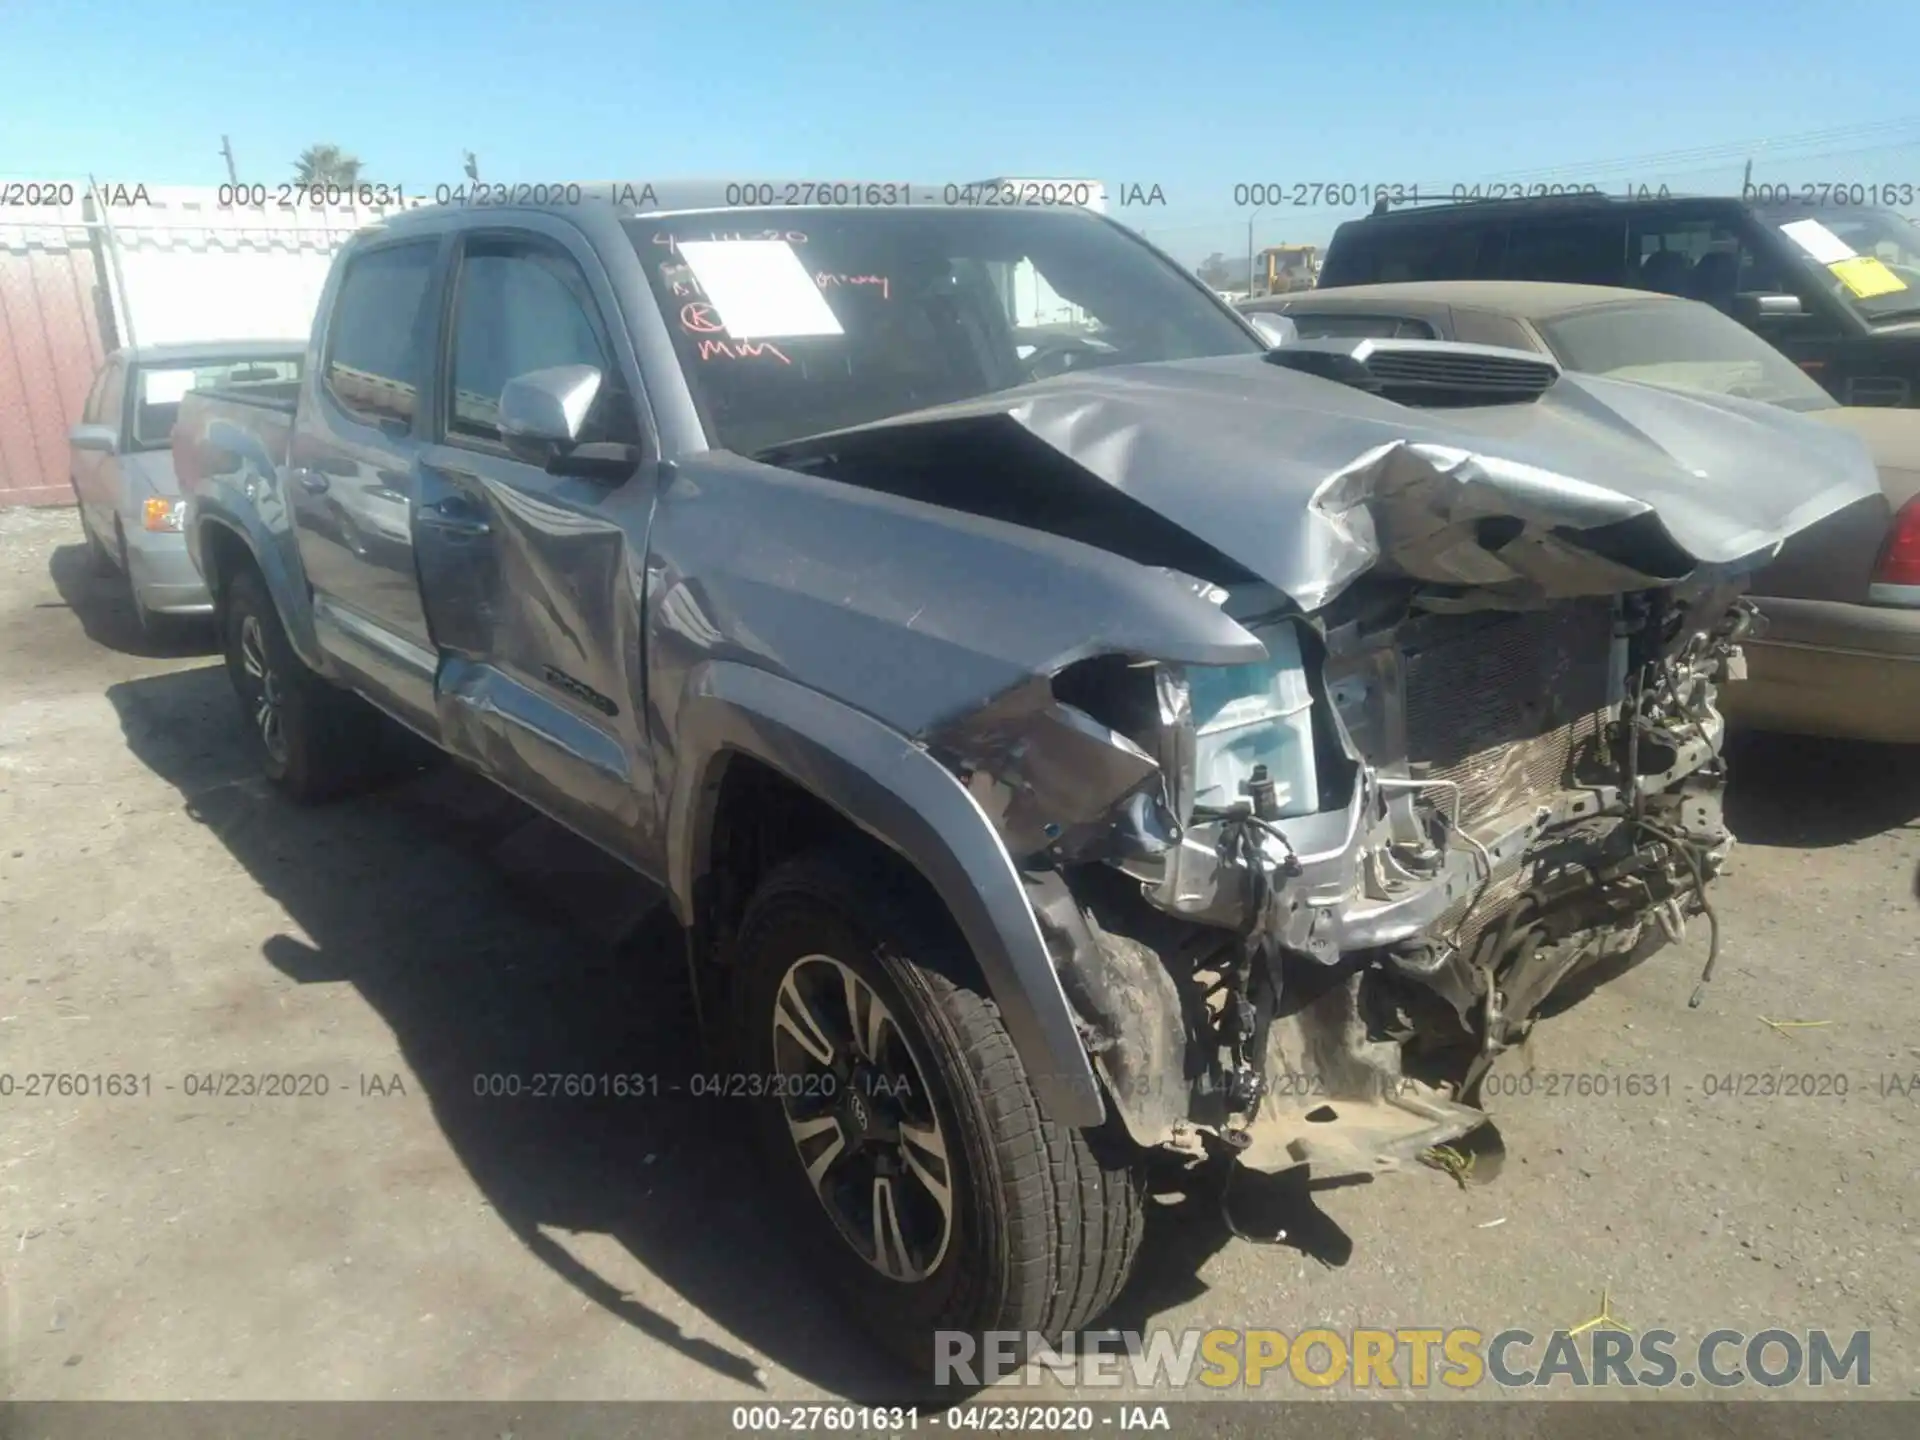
(90, 411)
(376, 354)
(1382, 255)
(1377, 327)
(1702, 259)
(113, 395)
(1574, 250)
(523, 305)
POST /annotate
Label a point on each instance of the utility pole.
(1746, 181)
(226, 149)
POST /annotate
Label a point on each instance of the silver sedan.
(121, 465)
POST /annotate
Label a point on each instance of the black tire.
(1045, 1221)
(154, 628)
(99, 561)
(328, 740)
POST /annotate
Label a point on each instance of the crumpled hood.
(1597, 486)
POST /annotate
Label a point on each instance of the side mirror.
(1276, 329)
(542, 412)
(101, 438)
(1758, 309)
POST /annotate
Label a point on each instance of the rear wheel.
(901, 1132)
(98, 559)
(316, 740)
(153, 628)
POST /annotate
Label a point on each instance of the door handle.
(454, 516)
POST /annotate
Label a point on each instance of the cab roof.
(631, 199)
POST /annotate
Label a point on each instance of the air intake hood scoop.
(1423, 372)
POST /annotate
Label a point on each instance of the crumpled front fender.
(897, 793)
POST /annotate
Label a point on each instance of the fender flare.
(286, 584)
(893, 790)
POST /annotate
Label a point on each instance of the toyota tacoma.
(1067, 726)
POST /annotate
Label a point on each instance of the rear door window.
(1700, 257)
(1363, 254)
(1569, 249)
(377, 349)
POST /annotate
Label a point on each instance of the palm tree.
(326, 165)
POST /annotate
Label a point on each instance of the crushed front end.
(1301, 906)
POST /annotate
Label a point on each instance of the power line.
(1732, 151)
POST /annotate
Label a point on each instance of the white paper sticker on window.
(759, 289)
(164, 387)
(1818, 241)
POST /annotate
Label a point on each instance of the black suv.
(1835, 288)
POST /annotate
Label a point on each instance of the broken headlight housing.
(1253, 730)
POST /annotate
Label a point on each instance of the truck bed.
(236, 432)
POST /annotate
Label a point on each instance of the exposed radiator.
(1502, 704)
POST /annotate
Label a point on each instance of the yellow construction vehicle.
(1288, 267)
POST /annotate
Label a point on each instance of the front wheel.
(904, 1140)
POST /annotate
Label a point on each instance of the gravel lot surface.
(163, 915)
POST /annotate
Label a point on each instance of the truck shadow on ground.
(494, 944)
(489, 943)
(1791, 790)
(104, 607)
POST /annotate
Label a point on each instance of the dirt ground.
(164, 916)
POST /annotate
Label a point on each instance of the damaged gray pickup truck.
(1067, 727)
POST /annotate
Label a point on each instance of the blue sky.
(1194, 97)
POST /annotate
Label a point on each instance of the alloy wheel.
(862, 1118)
(264, 688)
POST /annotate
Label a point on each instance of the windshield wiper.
(1906, 312)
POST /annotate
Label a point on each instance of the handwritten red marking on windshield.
(740, 350)
(827, 281)
(699, 318)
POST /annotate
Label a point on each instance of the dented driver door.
(531, 578)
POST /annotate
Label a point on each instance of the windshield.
(794, 322)
(1683, 344)
(157, 401)
(1868, 259)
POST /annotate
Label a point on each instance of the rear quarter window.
(1381, 254)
